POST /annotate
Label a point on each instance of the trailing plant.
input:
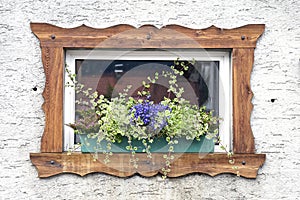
(114, 119)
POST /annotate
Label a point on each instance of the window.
(55, 41)
(207, 83)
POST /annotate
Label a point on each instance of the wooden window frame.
(54, 40)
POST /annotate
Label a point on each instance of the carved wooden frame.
(54, 40)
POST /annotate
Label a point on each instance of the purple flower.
(148, 113)
(142, 111)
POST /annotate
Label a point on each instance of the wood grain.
(125, 36)
(53, 99)
(50, 164)
(242, 61)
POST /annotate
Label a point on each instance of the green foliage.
(115, 118)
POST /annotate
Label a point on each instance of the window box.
(159, 145)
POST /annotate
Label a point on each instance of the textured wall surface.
(275, 82)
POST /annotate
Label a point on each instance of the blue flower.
(148, 112)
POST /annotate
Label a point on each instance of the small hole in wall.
(273, 100)
(34, 88)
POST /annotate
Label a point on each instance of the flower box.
(159, 145)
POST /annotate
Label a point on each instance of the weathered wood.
(125, 36)
(53, 60)
(242, 61)
(49, 164)
(54, 40)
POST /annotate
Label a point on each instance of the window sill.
(50, 164)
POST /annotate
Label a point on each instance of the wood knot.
(149, 36)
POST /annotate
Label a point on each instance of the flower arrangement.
(112, 120)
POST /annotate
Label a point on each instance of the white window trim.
(225, 74)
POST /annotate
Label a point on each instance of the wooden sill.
(50, 164)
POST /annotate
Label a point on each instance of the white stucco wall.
(276, 75)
